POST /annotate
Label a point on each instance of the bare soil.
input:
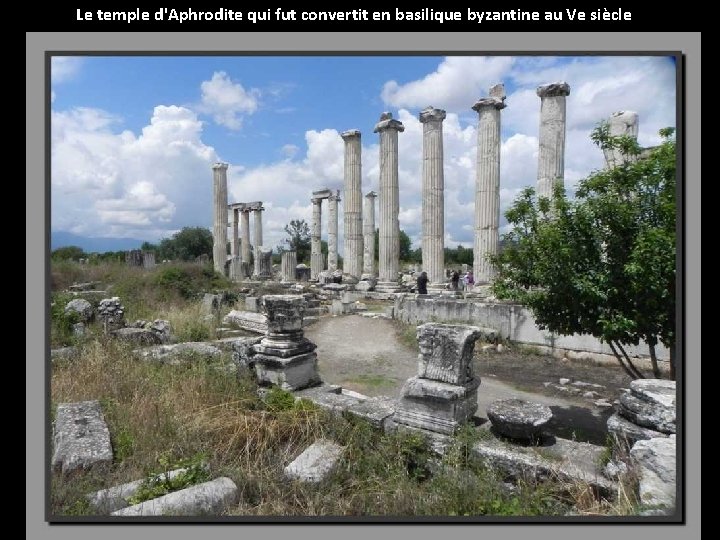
(375, 357)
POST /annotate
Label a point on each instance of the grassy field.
(161, 416)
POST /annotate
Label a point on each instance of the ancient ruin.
(433, 197)
(369, 235)
(551, 153)
(220, 201)
(353, 207)
(240, 245)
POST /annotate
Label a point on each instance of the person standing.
(469, 280)
(455, 280)
(422, 282)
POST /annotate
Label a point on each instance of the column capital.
(495, 102)
(431, 114)
(317, 200)
(554, 89)
(335, 196)
(220, 166)
(388, 122)
(370, 195)
(350, 134)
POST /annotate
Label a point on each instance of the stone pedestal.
(433, 196)
(220, 216)
(353, 233)
(284, 357)
(389, 263)
(443, 395)
(288, 263)
(551, 152)
(369, 235)
(487, 183)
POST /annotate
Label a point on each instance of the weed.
(161, 483)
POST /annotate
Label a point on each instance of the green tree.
(604, 263)
(186, 244)
(68, 253)
(298, 240)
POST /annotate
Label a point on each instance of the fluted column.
(389, 263)
(551, 152)
(288, 263)
(333, 201)
(433, 195)
(235, 243)
(258, 235)
(316, 265)
(621, 123)
(245, 238)
(220, 216)
(353, 233)
(369, 234)
(487, 184)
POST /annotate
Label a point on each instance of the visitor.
(469, 280)
(422, 282)
(455, 280)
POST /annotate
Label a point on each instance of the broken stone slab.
(140, 336)
(335, 287)
(82, 308)
(114, 498)
(568, 461)
(90, 285)
(210, 303)
(647, 414)
(378, 411)
(177, 353)
(252, 303)
(243, 352)
(518, 418)
(63, 353)
(316, 462)
(657, 461)
(208, 498)
(81, 437)
(247, 320)
(659, 392)
(628, 432)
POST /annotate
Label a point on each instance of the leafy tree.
(186, 244)
(298, 240)
(68, 253)
(604, 263)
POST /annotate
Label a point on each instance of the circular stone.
(518, 419)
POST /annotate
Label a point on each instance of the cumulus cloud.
(64, 68)
(227, 101)
(111, 180)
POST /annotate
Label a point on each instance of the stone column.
(258, 234)
(235, 243)
(433, 196)
(220, 216)
(621, 123)
(487, 184)
(551, 153)
(353, 252)
(369, 235)
(389, 263)
(333, 201)
(263, 256)
(316, 259)
(245, 239)
(288, 264)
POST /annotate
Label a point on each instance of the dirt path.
(369, 356)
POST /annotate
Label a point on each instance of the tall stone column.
(288, 264)
(220, 215)
(433, 196)
(235, 243)
(487, 183)
(551, 153)
(353, 252)
(389, 263)
(258, 234)
(621, 123)
(369, 235)
(316, 259)
(245, 239)
(333, 201)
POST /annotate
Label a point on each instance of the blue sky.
(133, 137)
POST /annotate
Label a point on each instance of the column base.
(389, 287)
(293, 373)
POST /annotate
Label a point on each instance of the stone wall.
(513, 322)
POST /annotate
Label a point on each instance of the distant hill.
(60, 239)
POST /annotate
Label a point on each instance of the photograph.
(361, 287)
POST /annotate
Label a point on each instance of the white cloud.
(106, 182)
(227, 101)
(64, 68)
(456, 83)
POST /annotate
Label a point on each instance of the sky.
(133, 138)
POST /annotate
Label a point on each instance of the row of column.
(240, 244)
